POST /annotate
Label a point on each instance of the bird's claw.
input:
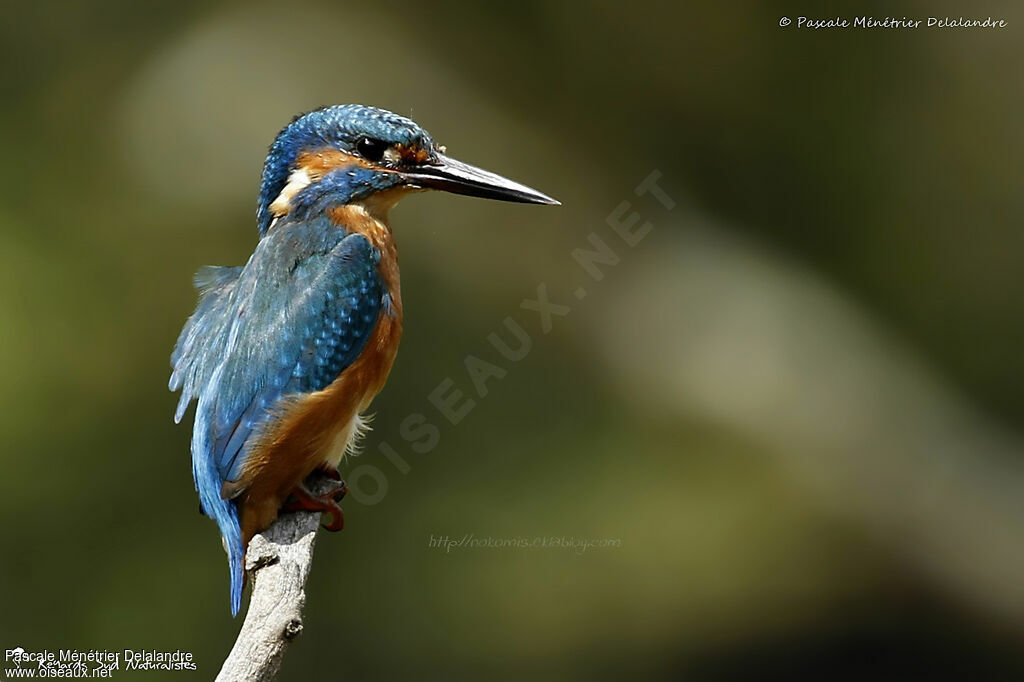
(339, 491)
(301, 499)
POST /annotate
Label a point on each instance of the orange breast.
(305, 433)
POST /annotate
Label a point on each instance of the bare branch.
(278, 561)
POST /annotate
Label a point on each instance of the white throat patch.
(297, 181)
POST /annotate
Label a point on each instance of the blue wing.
(288, 322)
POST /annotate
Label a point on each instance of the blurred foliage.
(749, 400)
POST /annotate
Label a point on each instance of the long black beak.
(450, 175)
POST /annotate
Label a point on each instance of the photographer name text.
(867, 22)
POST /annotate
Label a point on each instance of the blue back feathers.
(338, 126)
(287, 323)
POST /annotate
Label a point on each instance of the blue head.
(346, 154)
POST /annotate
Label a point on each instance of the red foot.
(303, 500)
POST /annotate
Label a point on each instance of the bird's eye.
(371, 149)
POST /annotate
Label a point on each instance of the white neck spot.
(297, 181)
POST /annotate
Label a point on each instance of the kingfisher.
(284, 354)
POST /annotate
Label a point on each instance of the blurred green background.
(796, 403)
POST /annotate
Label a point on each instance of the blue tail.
(232, 533)
(224, 512)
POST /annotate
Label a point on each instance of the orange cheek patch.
(318, 162)
(412, 154)
(311, 166)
